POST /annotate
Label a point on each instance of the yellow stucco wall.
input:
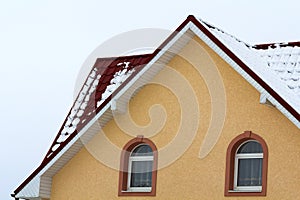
(190, 177)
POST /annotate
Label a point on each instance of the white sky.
(44, 43)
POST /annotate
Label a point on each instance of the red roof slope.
(87, 104)
(91, 100)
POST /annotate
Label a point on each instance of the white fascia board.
(245, 75)
(77, 137)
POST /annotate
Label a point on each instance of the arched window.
(140, 169)
(246, 166)
(137, 175)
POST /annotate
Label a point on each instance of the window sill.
(139, 190)
(236, 191)
(137, 193)
(245, 193)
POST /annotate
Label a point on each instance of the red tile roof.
(87, 103)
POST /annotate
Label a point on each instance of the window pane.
(250, 147)
(142, 150)
(249, 172)
(141, 174)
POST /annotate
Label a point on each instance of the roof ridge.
(273, 45)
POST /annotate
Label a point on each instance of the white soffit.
(31, 190)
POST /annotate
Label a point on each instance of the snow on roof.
(278, 65)
(284, 60)
(104, 79)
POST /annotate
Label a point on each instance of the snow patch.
(118, 78)
(80, 105)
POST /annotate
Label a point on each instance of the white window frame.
(137, 159)
(236, 165)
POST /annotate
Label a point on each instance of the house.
(205, 116)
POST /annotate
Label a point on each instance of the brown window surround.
(230, 159)
(123, 173)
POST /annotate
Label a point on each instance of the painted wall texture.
(189, 177)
